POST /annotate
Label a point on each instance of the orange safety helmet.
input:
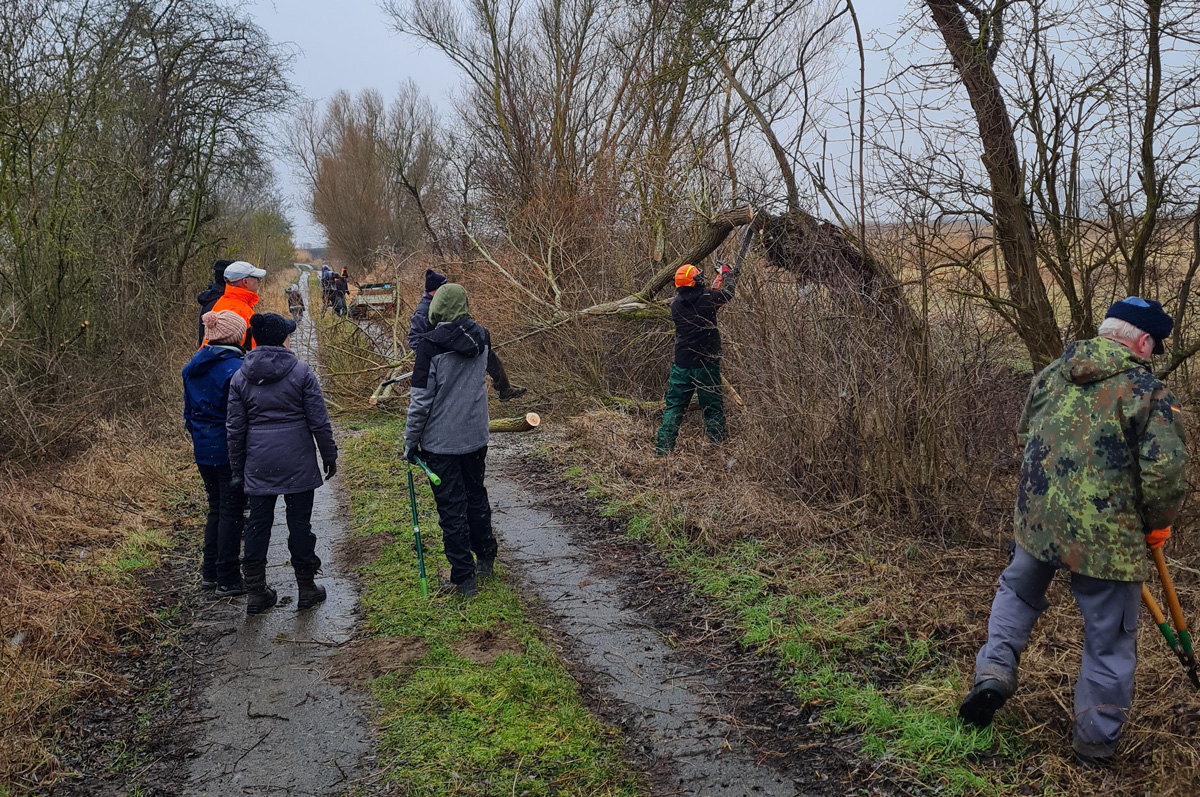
(686, 275)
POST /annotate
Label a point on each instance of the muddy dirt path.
(271, 722)
(671, 706)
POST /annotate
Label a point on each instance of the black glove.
(235, 480)
(411, 455)
(330, 469)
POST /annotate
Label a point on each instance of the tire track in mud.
(671, 703)
(272, 723)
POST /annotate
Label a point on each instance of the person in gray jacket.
(276, 411)
(448, 428)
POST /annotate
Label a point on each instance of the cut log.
(529, 421)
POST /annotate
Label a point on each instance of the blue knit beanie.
(1145, 314)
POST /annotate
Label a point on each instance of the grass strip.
(516, 725)
(835, 649)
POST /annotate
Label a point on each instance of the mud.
(687, 716)
(488, 644)
(275, 722)
(364, 660)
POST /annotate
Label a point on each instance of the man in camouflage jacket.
(1102, 478)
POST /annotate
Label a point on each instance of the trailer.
(373, 298)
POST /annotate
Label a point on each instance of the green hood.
(449, 304)
(1088, 361)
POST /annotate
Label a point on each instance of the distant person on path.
(241, 294)
(696, 368)
(420, 325)
(326, 287)
(295, 300)
(276, 411)
(209, 296)
(1102, 480)
(206, 380)
(341, 289)
(448, 428)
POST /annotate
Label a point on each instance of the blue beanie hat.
(434, 280)
(1145, 314)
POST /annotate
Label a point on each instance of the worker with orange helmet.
(696, 368)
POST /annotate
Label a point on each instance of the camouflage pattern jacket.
(1104, 462)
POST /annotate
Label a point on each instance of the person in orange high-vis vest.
(241, 294)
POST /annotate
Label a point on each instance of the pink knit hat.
(224, 327)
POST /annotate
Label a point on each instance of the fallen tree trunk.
(528, 422)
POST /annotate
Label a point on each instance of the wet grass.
(836, 650)
(516, 725)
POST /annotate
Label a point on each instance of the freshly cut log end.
(530, 421)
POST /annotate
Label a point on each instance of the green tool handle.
(412, 500)
(433, 477)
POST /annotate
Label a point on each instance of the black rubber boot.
(466, 589)
(260, 597)
(484, 569)
(311, 593)
(982, 702)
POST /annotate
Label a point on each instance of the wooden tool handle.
(1155, 610)
(1160, 562)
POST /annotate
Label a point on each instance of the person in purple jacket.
(206, 380)
(276, 411)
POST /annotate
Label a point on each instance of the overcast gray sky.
(349, 45)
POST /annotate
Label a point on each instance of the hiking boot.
(207, 583)
(232, 591)
(485, 569)
(982, 702)
(261, 597)
(1093, 763)
(466, 589)
(311, 593)
(511, 392)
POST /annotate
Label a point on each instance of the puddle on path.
(272, 723)
(675, 710)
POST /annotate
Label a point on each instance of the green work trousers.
(705, 382)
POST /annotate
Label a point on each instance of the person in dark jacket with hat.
(420, 325)
(1102, 480)
(696, 368)
(206, 380)
(447, 427)
(276, 411)
(209, 296)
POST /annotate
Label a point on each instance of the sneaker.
(982, 702)
(484, 569)
(231, 592)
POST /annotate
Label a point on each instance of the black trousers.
(222, 527)
(463, 510)
(302, 543)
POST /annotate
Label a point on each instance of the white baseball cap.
(240, 269)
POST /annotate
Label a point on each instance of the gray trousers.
(1104, 691)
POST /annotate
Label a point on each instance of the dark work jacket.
(694, 311)
(275, 411)
(420, 322)
(206, 380)
(447, 410)
(207, 298)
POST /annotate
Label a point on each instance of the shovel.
(1181, 646)
(412, 499)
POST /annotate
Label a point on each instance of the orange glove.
(1158, 538)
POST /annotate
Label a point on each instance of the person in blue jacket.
(205, 400)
